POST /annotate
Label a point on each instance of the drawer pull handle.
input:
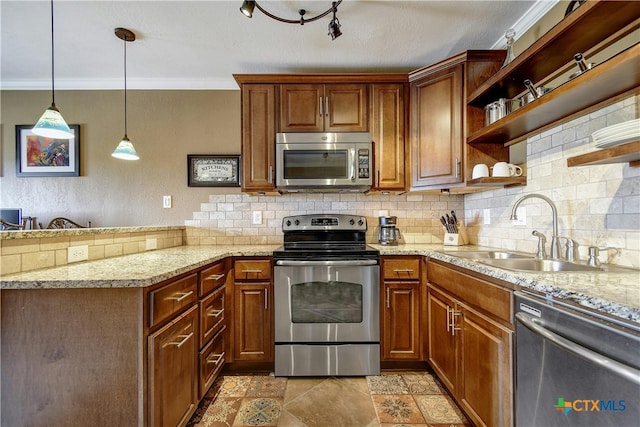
(214, 277)
(252, 271)
(218, 360)
(215, 313)
(403, 270)
(185, 338)
(180, 296)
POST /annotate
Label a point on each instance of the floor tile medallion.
(439, 409)
(387, 384)
(397, 409)
(258, 412)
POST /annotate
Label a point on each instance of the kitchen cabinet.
(589, 29)
(173, 371)
(339, 107)
(401, 308)
(253, 314)
(213, 324)
(440, 157)
(470, 342)
(388, 133)
(258, 138)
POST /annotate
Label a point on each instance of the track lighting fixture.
(125, 149)
(51, 123)
(248, 7)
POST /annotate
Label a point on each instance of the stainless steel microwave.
(324, 162)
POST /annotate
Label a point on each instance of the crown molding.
(528, 20)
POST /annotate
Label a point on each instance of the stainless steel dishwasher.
(574, 367)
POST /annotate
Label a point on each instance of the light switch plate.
(486, 216)
(166, 202)
(257, 217)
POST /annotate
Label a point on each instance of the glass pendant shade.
(52, 125)
(125, 150)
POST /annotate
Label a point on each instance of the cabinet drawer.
(401, 268)
(492, 299)
(172, 298)
(252, 269)
(212, 277)
(212, 315)
(211, 359)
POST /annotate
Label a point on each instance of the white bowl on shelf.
(617, 134)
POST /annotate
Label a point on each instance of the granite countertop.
(616, 294)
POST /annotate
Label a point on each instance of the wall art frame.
(213, 170)
(40, 156)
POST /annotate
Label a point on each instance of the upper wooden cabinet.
(324, 108)
(258, 138)
(439, 157)
(388, 128)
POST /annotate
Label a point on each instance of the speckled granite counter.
(136, 270)
(616, 294)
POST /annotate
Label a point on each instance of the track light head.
(247, 8)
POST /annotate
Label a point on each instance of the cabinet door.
(486, 370)
(436, 129)
(173, 371)
(401, 321)
(443, 344)
(258, 137)
(346, 108)
(388, 132)
(324, 108)
(252, 322)
(301, 108)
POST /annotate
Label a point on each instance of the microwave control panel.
(363, 163)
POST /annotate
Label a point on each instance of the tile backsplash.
(227, 219)
(597, 205)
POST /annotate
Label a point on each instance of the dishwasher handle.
(328, 263)
(602, 361)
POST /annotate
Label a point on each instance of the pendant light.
(125, 149)
(52, 124)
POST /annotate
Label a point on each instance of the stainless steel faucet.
(555, 241)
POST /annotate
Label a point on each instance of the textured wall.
(164, 126)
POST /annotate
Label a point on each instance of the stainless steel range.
(327, 293)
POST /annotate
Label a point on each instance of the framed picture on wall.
(42, 156)
(208, 170)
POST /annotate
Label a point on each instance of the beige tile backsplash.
(597, 205)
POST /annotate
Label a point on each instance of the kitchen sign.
(213, 170)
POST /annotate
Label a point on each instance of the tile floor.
(391, 399)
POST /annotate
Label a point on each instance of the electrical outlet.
(77, 253)
(257, 217)
(486, 215)
(521, 213)
(152, 244)
(166, 202)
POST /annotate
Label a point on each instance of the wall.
(597, 205)
(164, 126)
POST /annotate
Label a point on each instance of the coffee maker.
(388, 234)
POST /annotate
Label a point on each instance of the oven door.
(327, 301)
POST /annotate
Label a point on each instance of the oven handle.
(602, 361)
(327, 263)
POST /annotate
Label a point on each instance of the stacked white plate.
(617, 134)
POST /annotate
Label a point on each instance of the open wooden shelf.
(509, 181)
(613, 77)
(585, 27)
(629, 152)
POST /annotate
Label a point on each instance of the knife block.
(456, 239)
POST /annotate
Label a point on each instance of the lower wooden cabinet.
(173, 371)
(253, 337)
(211, 360)
(470, 349)
(400, 306)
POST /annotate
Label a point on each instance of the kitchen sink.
(489, 254)
(538, 265)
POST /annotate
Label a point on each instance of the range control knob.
(296, 222)
(360, 221)
(351, 221)
(288, 223)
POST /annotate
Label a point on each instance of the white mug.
(480, 171)
(504, 169)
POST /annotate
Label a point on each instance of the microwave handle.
(352, 164)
